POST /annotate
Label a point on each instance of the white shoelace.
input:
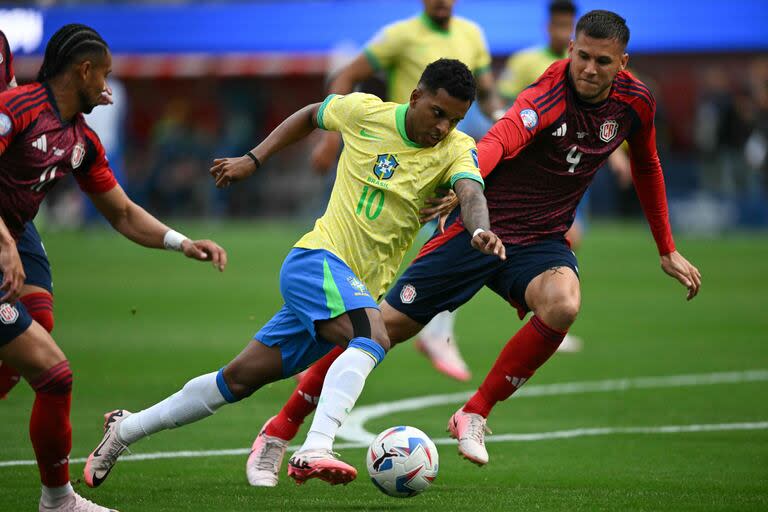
(271, 455)
(477, 430)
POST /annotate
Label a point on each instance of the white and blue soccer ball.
(402, 461)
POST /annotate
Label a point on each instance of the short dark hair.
(66, 45)
(562, 7)
(604, 25)
(453, 76)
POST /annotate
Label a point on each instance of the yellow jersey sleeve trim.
(467, 176)
(321, 111)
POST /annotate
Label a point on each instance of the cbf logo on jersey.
(358, 285)
(608, 130)
(385, 166)
(8, 313)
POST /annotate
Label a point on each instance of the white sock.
(343, 384)
(53, 496)
(440, 327)
(198, 399)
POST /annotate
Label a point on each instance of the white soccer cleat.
(445, 357)
(571, 343)
(75, 503)
(470, 429)
(101, 461)
(263, 465)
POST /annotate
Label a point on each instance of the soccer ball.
(402, 461)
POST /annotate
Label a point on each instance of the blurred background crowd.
(178, 107)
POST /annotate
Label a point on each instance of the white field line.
(354, 430)
(360, 438)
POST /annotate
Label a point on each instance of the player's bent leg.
(39, 304)
(368, 342)
(262, 467)
(44, 366)
(552, 293)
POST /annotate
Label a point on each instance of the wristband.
(253, 157)
(477, 232)
(173, 239)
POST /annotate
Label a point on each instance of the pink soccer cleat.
(263, 465)
(470, 429)
(75, 503)
(101, 460)
(445, 357)
(322, 464)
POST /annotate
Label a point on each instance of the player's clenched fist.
(488, 243)
(227, 170)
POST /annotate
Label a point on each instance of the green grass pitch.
(137, 324)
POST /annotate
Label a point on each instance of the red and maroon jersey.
(6, 62)
(37, 149)
(539, 159)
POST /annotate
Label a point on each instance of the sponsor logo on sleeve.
(5, 124)
(530, 118)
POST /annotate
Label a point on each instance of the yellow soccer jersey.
(524, 68)
(404, 48)
(382, 181)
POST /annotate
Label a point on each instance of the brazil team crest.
(385, 166)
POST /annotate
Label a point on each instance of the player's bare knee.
(241, 383)
(561, 311)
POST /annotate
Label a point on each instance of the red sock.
(49, 427)
(303, 400)
(40, 308)
(517, 362)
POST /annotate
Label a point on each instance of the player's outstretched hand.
(227, 170)
(13, 274)
(488, 243)
(681, 269)
(439, 207)
(205, 250)
(324, 153)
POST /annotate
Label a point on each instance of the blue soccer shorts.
(14, 318)
(316, 285)
(449, 272)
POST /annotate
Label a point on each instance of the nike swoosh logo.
(367, 135)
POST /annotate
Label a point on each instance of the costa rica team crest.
(608, 130)
(78, 152)
(8, 313)
(408, 294)
(385, 166)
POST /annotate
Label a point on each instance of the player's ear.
(84, 69)
(624, 61)
(570, 47)
(416, 94)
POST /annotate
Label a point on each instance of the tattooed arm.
(474, 215)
